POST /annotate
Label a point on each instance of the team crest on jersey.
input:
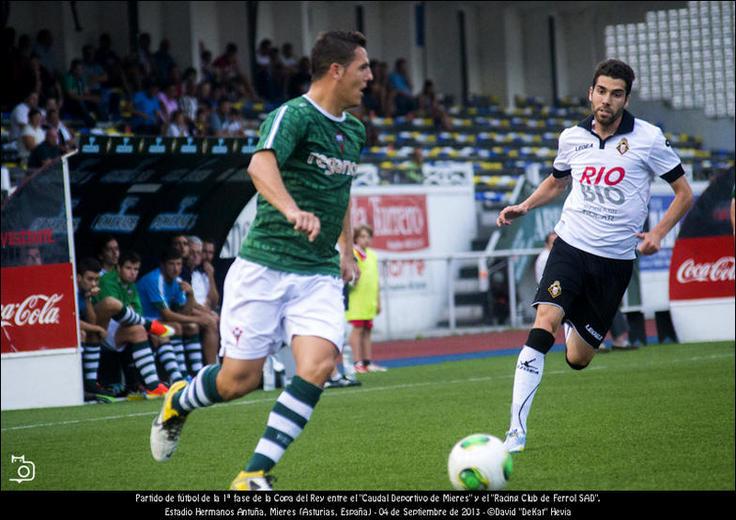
(340, 142)
(555, 289)
(622, 146)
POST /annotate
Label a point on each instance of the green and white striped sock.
(200, 393)
(145, 363)
(286, 421)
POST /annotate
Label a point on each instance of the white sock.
(528, 376)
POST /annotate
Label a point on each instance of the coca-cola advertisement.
(399, 222)
(702, 268)
(701, 275)
(38, 310)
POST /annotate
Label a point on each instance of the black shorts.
(587, 287)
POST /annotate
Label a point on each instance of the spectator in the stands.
(206, 69)
(32, 134)
(95, 78)
(67, 140)
(79, 102)
(47, 150)
(262, 81)
(300, 81)
(109, 61)
(92, 72)
(400, 83)
(188, 102)
(44, 49)
(145, 57)
(168, 101)
(202, 123)
(429, 106)
(178, 126)
(108, 253)
(279, 78)
(40, 80)
(235, 126)
(220, 118)
(19, 115)
(163, 63)
(226, 65)
(204, 95)
(241, 91)
(288, 58)
(147, 116)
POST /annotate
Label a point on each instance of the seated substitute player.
(118, 309)
(609, 159)
(167, 297)
(205, 296)
(286, 285)
(108, 253)
(91, 334)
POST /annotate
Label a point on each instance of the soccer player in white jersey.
(286, 285)
(610, 160)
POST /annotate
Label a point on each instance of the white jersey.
(611, 178)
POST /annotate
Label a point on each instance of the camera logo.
(26, 470)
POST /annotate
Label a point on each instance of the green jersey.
(126, 293)
(318, 156)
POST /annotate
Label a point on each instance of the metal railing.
(453, 263)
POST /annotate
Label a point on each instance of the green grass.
(660, 418)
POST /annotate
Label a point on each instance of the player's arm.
(683, 201)
(548, 190)
(348, 267)
(264, 171)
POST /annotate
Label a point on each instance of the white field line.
(346, 392)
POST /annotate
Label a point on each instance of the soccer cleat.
(157, 392)
(166, 427)
(252, 481)
(360, 368)
(161, 330)
(376, 368)
(342, 382)
(515, 441)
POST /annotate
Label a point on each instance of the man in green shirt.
(118, 310)
(286, 285)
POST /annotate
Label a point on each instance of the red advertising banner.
(702, 267)
(38, 311)
(400, 222)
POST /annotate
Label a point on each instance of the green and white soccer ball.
(479, 462)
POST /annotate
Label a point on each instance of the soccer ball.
(479, 462)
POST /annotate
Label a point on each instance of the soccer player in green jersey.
(286, 285)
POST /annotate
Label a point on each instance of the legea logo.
(722, 270)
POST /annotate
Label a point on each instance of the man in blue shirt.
(168, 298)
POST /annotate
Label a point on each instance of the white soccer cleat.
(515, 441)
(166, 427)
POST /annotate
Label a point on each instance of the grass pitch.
(659, 418)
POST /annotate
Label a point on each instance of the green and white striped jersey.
(318, 156)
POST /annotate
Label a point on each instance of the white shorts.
(263, 308)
